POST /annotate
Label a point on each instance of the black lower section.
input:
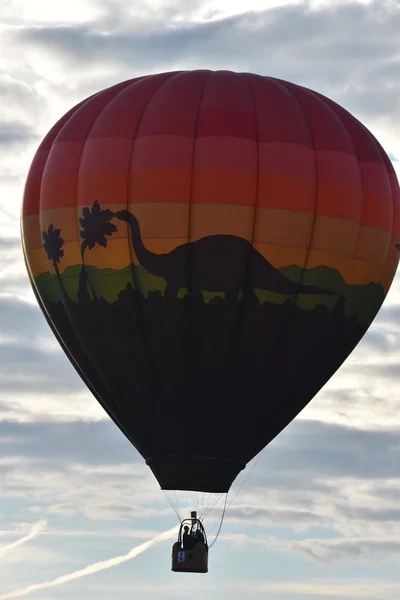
(187, 379)
(195, 473)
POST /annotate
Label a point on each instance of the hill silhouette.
(361, 301)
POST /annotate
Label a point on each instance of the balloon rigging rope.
(209, 499)
(172, 497)
(177, 504)
(212, 500)
(247, 477)
(173, 502)
(211, 505)
(206, 507)
(220, 524)
(232, 499)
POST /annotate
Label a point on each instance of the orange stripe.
(224, 187)
(273, 226)
(335, 199)
(58, 191)
(160, 185)
(282, 236)
(286, 192)
(390, 265)
(338, 236)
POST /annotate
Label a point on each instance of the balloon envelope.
(208, 248)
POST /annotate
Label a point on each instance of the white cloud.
(94, 568)
(334, 470)
(372, 550)
(30, 557)
(35, 530)
(43, 11)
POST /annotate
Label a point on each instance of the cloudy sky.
(319, 516)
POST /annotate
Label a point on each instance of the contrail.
(36, 529)
(95, 568)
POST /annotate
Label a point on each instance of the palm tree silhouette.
(95, 226)
(52, 244)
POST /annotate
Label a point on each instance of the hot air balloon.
(208, 247)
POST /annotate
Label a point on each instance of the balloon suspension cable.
(172, 498)
(232, 499)
(173, 501)
(210, 506)
(247, 477)
(220, 524)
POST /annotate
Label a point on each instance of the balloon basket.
(190, 561)
(190, 554)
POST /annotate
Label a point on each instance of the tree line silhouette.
(211, 351)
(96, 227)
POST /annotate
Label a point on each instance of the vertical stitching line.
(88, 282)
(71, 322)
(128, 84)
(285, 325)
(154, 379)
(189, 307)
(245, 276)
(382, 152)
(374, 142)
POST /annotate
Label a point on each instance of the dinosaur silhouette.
(217, 262)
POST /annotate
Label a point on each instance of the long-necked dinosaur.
(213, 263)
